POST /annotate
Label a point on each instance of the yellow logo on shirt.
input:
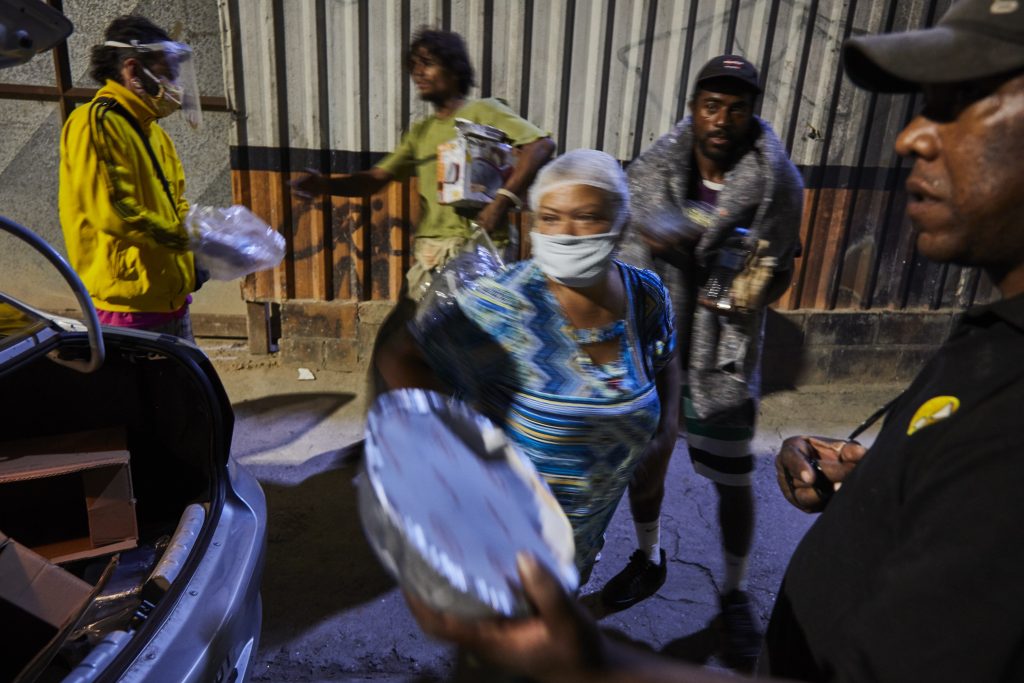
(933, 410)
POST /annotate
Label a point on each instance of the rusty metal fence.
(320, 84)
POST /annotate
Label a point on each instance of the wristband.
(516, 201)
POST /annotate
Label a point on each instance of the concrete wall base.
(855, 347)
(331, 335)
(802, 347)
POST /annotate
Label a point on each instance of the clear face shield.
(169, 75)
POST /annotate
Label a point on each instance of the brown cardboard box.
(68, 496)
(38, 600)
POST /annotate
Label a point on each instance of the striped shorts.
(720, 450)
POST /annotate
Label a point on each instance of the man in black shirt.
(914, 570)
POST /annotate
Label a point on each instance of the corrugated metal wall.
(320, 83)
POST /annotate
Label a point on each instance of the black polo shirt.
(915, 571)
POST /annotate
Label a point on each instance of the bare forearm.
(668, 384)
(532, 156)
(647, 488)
(358, 184)
(680, 256)
(664, 441)
(401, 364)
(313, 183)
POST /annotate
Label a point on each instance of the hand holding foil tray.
(447, 502)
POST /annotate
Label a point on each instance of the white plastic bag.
(231, 242)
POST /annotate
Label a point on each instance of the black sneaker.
(639, 580)
(741, 639)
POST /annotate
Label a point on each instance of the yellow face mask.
(167, 99)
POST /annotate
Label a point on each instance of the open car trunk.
(109, 484)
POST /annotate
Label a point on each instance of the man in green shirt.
(439, 64)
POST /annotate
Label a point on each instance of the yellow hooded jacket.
(124, 235)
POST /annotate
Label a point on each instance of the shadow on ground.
(318, 562)
(272, 422)
(696, 648)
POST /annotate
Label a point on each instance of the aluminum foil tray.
(447, 502)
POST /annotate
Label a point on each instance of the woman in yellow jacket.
(122, 187)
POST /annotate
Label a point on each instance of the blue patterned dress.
(508, 348)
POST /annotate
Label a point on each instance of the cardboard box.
(68, 496)
(472, 167)
(38, 601)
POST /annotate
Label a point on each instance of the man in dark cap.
(913, 570)
(718, 185)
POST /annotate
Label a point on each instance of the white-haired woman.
(571, 351)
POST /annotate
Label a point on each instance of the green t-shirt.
(417, 154)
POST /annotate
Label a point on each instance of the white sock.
(648, 538)
(735, 573)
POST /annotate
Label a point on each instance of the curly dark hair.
(450, 49)
(105, 61)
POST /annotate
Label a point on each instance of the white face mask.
(574, 260)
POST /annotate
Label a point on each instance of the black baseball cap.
(730, 66)
(974, 39)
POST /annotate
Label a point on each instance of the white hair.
(585, 167)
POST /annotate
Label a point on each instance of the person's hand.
(494, 215)
(659, 247)
(202, 276)
(810, 468)
(310, 185)
(560, 643)
(676, 252)
(669, 231)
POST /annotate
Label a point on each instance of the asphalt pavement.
(331, 613)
